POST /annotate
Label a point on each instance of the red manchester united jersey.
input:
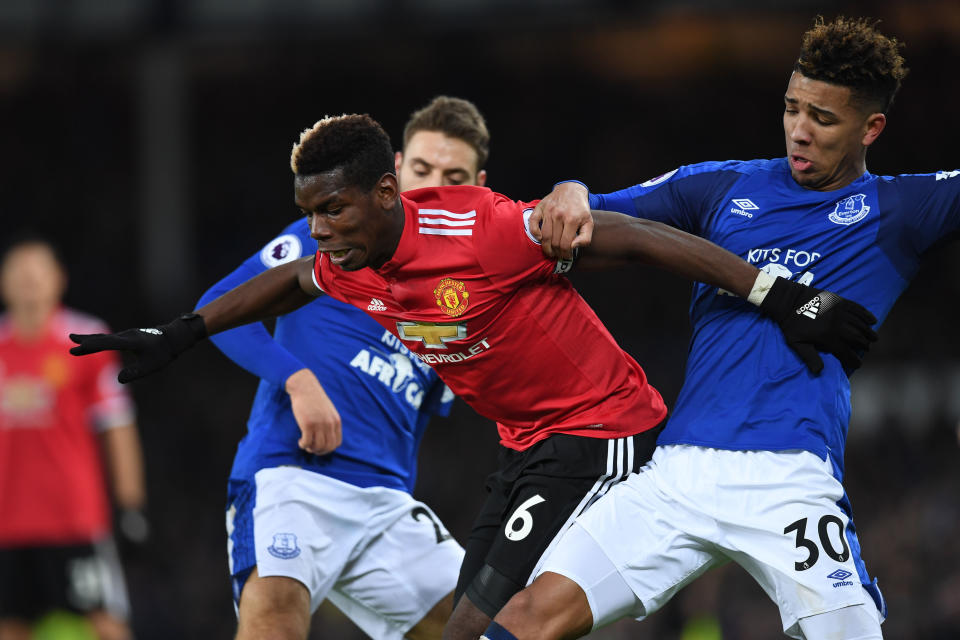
(469, 291)
(52, 486)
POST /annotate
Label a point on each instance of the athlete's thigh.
(655, 543)
(557, 479)
(275, 605)
(292, 523)
(393, 582)
(786, 522)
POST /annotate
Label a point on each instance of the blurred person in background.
(334, 517)
(456, 274)
(750, 466)
(66, 432)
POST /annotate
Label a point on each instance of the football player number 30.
(823, 529)
(520, 523)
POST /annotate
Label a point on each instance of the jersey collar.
(408, 239)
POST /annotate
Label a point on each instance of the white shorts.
(380, 556)
(777, 514)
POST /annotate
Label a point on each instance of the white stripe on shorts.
(619, 466)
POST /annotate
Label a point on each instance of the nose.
(800, 130)
(318, 228)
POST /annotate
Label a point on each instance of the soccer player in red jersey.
(56, 412)
(457, 276)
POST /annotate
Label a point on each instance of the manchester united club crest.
(452, 297)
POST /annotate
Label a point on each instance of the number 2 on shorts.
(525, 519)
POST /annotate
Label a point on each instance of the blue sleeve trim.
(571, 180)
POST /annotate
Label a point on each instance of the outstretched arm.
(253, 348)
(838, 326)
(619, 240)
(272, 293)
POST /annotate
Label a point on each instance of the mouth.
(799, 163)
(338, 256)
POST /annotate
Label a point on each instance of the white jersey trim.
(313, 276)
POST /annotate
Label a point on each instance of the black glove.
(813, 319)
(132, 527)
(153, 348)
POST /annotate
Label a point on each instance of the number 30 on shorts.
(823, 528)
(520, 523)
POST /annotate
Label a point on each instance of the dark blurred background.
(150, 140)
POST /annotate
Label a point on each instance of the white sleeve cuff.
(761, 287)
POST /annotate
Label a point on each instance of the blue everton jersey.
(384, 394)
(744, 387)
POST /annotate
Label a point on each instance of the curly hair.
(356, 144)
(454, 118)
(852, 53)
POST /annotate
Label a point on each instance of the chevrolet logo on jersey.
(432, 334)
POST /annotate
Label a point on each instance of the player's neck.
(393, 233)
(30, 320)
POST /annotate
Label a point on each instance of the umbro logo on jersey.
(943, 175)
(810, 309)
(438, 222)
(744, 207)
(376, 305)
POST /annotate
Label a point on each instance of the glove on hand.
(813, 319)
(152, 348)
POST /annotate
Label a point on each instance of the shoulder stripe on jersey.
(447, 223)
(446, 232)
(448, 214)
(434, 222)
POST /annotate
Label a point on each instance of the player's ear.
(397, 161)
(482, 178)
(387, 190)
(873, 127)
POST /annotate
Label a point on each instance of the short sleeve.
(506, 249)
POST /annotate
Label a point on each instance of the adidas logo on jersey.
(810, 309)
(376, 305)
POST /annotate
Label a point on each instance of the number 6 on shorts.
(524, 516)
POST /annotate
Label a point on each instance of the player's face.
(433, 159)
(31, 277)
(356, 229)
(827, 134)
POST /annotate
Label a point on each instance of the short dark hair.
(852, 53)
(454, 118)
(355, 144)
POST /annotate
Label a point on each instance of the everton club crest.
(284, 546)
(850, 210)
(452, 297)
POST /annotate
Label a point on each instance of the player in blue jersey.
(333, 517)
(749, 466)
